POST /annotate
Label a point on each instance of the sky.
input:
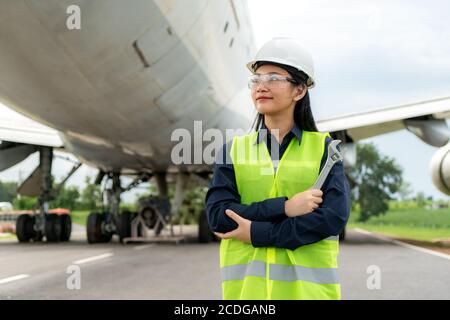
(367, 54)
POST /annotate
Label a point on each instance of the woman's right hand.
(303, 202)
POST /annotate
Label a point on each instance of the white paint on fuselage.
(92, 86)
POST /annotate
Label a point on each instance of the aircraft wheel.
(53, 227)
(24, 228)
(66, 227)
(38, 236)
(94, 228)
(124, 225)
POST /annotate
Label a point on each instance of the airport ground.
(191, 270)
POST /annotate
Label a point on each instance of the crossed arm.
(265, 223)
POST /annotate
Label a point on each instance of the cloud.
(358, 35)
(366, 53)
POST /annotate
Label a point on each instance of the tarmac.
(370, 267)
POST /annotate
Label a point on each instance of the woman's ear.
(300, 92)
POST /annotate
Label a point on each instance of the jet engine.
(440, 169)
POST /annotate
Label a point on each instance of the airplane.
(113, 91)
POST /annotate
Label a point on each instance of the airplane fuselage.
(119, 86)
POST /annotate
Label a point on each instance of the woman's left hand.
(242, 232)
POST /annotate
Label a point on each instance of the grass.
(79, 217)
(414, 233)
(415, 223)
(7, 236)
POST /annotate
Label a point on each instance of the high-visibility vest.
(308, 272)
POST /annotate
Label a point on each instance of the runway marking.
(14, 278)
(141, 247)
(99, 257)
(404, 244)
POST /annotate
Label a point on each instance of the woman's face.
(275, 96)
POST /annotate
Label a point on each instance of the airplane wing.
(27, 131)
(21, 136)
(426, 119)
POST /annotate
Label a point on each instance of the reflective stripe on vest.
(280, 272)
(308, 272)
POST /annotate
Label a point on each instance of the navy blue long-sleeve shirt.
(270, 226)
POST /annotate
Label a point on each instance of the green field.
(79, 217)
(414, 223)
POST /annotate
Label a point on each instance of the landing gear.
(96, 228)
(154, 213)
(124, 225)
(66, 227)
(100, 227)
(24, 228)
(34, 227)
(53, 227)
(157, 213)
(56, 228)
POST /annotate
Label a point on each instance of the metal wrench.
(334, 155)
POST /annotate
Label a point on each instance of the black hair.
(303, 116)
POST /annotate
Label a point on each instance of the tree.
(420, 199)
(91, 196)
(405, 191)
(8, 191)
(25, 203)
(378, 179)
(67, 198)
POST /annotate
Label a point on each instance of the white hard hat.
(286, 51)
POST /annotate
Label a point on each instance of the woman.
(279, 236)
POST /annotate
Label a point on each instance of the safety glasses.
(269, 80)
